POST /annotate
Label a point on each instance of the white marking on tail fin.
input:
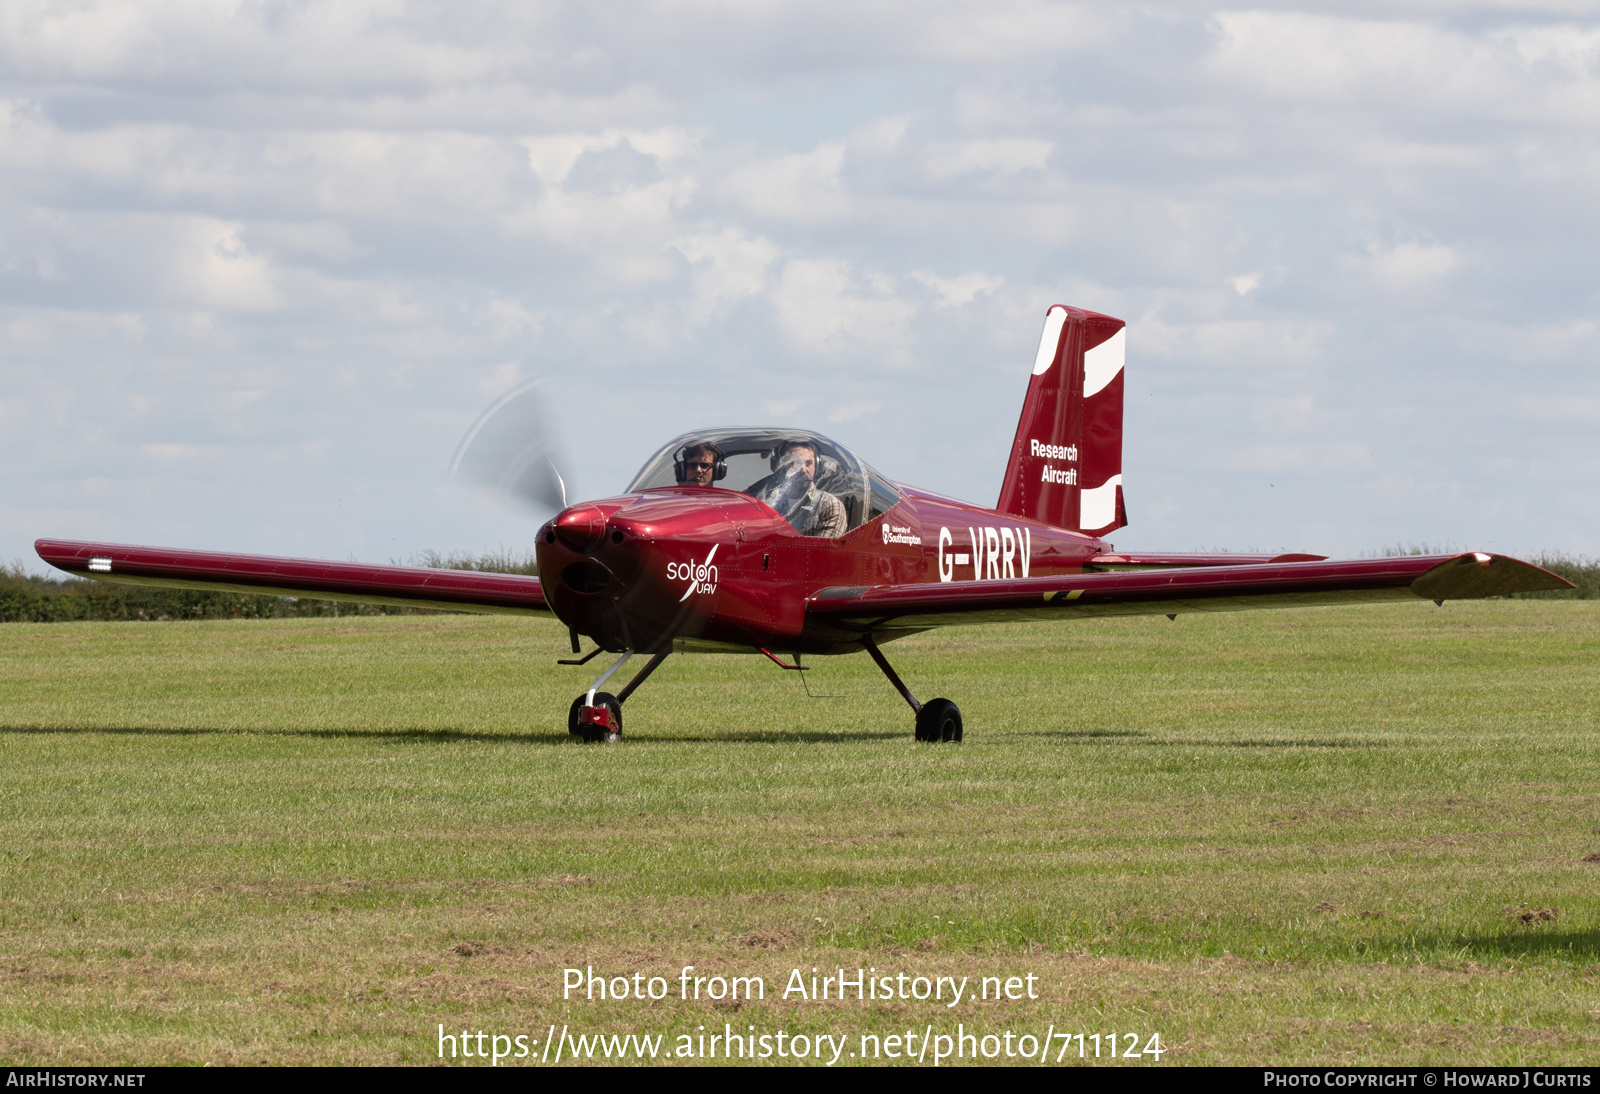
(1098, 507)
(1054, 320)
(1101, 364)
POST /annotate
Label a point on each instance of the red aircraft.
(783, 542)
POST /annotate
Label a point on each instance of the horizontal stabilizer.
(314, 579)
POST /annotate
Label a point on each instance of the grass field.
(1332, 836)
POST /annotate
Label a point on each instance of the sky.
(263, 263)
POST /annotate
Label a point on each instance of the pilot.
(699, 464)
(792, 490)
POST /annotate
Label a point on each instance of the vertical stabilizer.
(1066, 463)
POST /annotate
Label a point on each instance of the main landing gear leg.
(937, 719)
(597, 715)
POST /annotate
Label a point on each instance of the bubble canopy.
(771, 464)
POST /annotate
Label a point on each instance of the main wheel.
(592, 733)
(939, 720)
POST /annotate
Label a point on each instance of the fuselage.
(692, 567)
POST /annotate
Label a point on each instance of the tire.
(591, 733)
(939, 720)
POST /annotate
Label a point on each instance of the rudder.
(1066, 461)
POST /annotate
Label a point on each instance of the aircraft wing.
(1177, 590)
(407, 586)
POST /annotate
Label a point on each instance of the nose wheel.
(597, 715)
(597, 719)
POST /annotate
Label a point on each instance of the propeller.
(512, 450)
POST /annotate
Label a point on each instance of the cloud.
(783, 408)
(728, 266)
(955, 292)
(171, 454)
(553, 157)
(620, 236)
(850, 410)
(378, 213)
(1333, 59)
(612, 170)
(804, 187)
(826, 309)
(1412, 66)
(1301, 458)
(508, 318)
(213, 265)
(1006, 30)
(1004, 156)
(1410, 265)
(340, 42)
(1583, 409)
(1234, 343)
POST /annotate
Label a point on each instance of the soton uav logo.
(701, 576)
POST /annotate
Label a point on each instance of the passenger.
(699, 465)
(792, 490)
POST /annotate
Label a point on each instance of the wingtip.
(1476, 574)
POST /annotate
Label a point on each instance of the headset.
(719, 463)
